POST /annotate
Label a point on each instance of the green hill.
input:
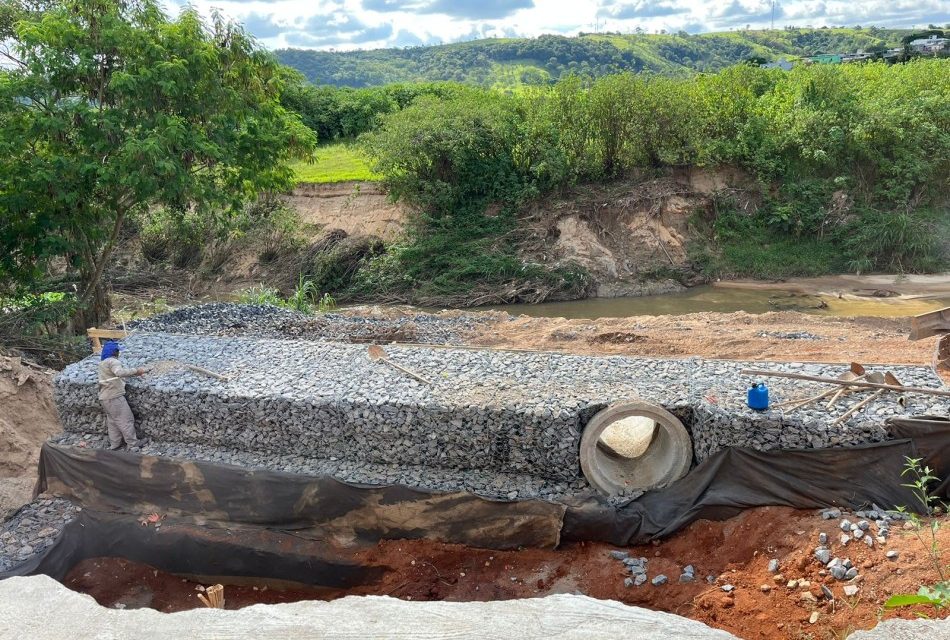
(515, 61)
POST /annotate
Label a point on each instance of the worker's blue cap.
(110, 349)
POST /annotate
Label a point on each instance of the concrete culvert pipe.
(634, 446)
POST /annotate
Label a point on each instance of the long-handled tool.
(164, 366)
(843, 390)
(888, 377)
(376, 352)
(856, 372)
(943, 393)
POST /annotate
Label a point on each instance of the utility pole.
(773, 3)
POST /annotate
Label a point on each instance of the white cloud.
(361, 24)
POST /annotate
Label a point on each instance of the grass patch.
(336, 162)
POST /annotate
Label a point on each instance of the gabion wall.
(509, 412)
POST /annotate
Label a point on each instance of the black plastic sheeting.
(205, 498)
(206, 554)
(736, 479)
(317, 507)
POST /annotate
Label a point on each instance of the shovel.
(863, 375)
(857, 372)
(376, 352)
(887, 378)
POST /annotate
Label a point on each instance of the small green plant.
(305, 297)
(926, 529)
(326, 303)
(259, 294)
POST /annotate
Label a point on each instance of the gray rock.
(892, 554)
(728, 588)
(838, 572)
(773, 566)
(822, 539)
(851, 574)
(851, 590)
(619, 555)
(823, 555)
(658, 580)
(831, 514)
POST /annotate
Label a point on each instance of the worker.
(119, 418)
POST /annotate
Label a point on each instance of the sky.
(370, 24)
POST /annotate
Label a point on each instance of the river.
(730, 299)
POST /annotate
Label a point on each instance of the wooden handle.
(843, 390)
(847, 414)
(863, 385)
(406, 371)
(212, 374)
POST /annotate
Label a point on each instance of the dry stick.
(864, 385)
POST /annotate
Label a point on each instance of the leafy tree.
(108, 108)
(449, 156)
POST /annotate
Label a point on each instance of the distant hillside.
(514, 61)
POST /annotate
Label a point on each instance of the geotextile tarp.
(116, 488)
(319, 507)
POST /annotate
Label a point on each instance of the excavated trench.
(309, 452)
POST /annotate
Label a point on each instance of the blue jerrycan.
(758, 396)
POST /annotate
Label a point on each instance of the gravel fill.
(496, 423)
(32, 529)
(267, 321)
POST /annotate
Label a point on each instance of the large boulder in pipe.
(38, 607)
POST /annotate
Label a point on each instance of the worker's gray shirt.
(114, 387)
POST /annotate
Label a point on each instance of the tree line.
(543, 60)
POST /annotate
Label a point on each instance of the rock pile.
(33, 528)
(268, 321)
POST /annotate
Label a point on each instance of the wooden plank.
(930, 324)
(112, 334)
(96, 335)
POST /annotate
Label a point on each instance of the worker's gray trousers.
(120, 421)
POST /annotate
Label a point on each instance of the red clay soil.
(736, 552)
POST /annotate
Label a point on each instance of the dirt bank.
(876, 285)
(358, 208)
(27, 417)
(735, 552)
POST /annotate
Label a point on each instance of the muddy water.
(728, 300)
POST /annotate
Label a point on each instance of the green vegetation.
(305, 297)
(108, 109)
(509, 62)
(926, 528)
(850, 166)
(336, 162)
